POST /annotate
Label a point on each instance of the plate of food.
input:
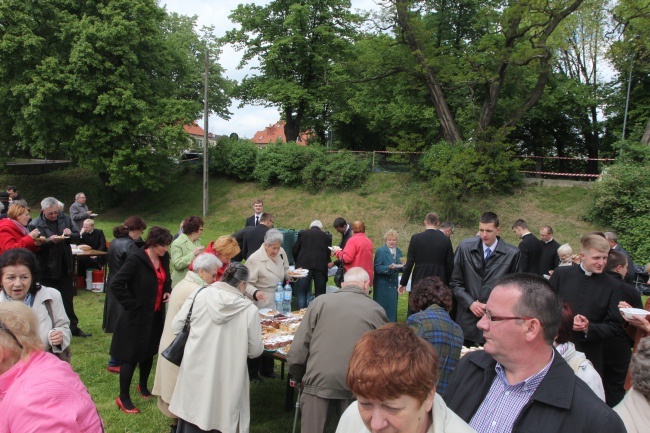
(269, 312)
(398, 265)
(631, 313)
(298, 273)
(60, 237)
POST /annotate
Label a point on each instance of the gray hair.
(273, 236)
(537, 300)
(356, 275)
(206, 261)
(49, 202)
(235, 274)
(77, 195)
(640, 367)
(61, 205)
(611, 236)
(564, 250)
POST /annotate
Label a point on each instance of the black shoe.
(255, 379)
(79, 333)
(270, 375)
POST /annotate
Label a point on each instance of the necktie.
(488, 253)
(257, 220)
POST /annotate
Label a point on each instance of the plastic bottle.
(286, 298)
(278, 297)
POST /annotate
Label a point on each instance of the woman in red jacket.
(13, 230)
(358, 250)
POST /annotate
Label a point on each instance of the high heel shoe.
(125, 410)
(145, 396)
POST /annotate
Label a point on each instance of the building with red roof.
(273, 133)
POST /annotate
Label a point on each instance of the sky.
(249, 119)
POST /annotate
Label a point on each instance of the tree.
(298, 46)
(106, 83)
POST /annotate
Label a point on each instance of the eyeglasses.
(492, 318)
(55, 212)
(4, 328)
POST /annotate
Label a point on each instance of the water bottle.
(278, 297)
(286, 298)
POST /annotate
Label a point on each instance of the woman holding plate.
(388, 263)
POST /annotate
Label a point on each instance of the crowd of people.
(498, 338)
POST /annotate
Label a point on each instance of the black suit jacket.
(311, 249)
(253, 240)
(250, 221)
(549, 260)
(344, 240)
(531, 252)
(432, 254)
(631, 273)
(239, 237)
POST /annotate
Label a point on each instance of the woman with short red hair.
(358, 250)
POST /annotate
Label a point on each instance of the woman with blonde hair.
(225, 248)
(14, 233)
(388, 263)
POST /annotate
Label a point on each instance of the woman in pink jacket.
(358, 250)
(39, 391)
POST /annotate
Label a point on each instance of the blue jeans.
(302, 286)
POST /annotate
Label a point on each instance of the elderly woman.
(205, 267)
(358, 250)
(141, 286)
(212, 390)
(267, 266)
(565, 253)
(19, 280)
(396, 393)
(186, 247)
(432, 299)
(225, 248)
(634, 410)
(388, 264)
(39, 392)
(14, 233)
(578, 362)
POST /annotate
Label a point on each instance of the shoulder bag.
(175, 351)
(65, 354)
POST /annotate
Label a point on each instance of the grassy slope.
(380, 204)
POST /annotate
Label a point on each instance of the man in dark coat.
(431, 253)
(478, 264)
(311, 251)
(253, 239)
(341, 226)
(239, 236)
(530, 247)
(258, 208)
(55, 256)
(612, 238)
(519, 382)
(550, 259)
(617, 351)
(593, 297)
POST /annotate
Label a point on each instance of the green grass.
(380, 204)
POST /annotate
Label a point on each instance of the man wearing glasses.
(55, 256)
(519, 382)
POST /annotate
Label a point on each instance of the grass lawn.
(380, 204)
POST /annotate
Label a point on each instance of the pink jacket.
(358, 252)
(12, 237)
(43, 394)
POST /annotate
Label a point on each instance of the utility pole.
(206, 115)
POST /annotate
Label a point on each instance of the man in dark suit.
(254, 238)
(431, 253)
(593, 296)
(96, 240)
(346, 232)
(530, 247)
(614, 245)
(550, 259)
(239, 237)
(258, 208)
(311, 252)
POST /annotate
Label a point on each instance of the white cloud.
(249, 119)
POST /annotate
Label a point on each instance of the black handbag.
(175, 351)
(338, 277)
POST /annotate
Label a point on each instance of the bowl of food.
(631, 313)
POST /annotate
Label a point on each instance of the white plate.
(634, 312)
(93, 214)
(266, 312)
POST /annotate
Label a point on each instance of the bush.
(622, 201)
(283, 163)
(234, 157)
(341, 170)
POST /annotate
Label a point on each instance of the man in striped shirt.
(519, 383)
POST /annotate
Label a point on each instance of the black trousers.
(64, 286)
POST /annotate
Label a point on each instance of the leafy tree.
(298, 46)
(107, 83)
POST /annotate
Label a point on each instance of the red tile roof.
(274, 133)
(194, 129)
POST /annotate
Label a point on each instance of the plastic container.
(97, 281)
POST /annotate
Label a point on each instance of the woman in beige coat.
(267, 266)
(634, 410)
(212, 390)
(205, 268)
